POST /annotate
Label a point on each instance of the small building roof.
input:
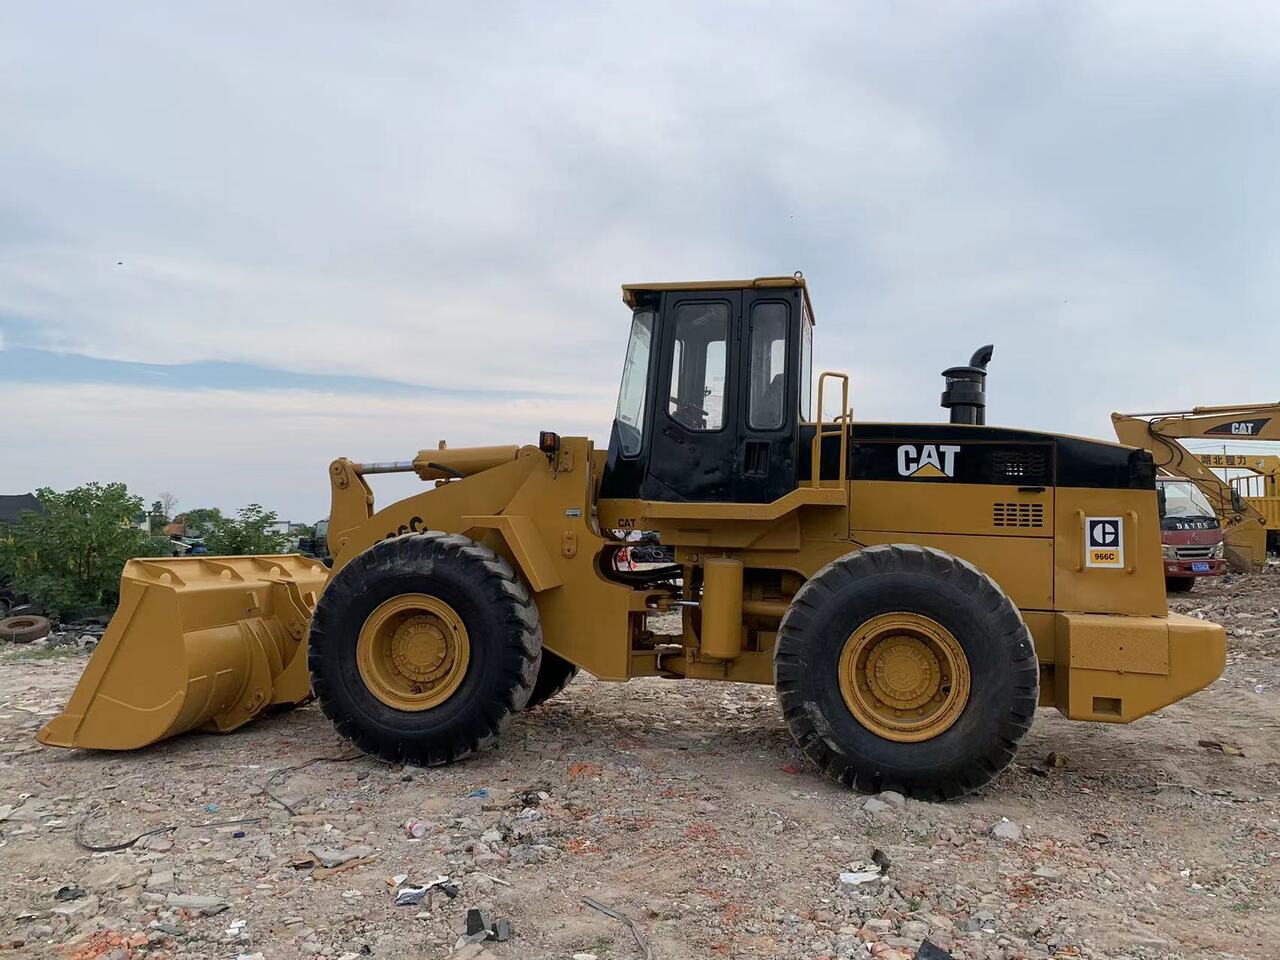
(14, 505)
(629, 290)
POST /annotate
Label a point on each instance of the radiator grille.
(1194, 553)
(1017, 514)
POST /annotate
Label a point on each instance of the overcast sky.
(238, 240)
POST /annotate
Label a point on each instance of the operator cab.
(715, 385)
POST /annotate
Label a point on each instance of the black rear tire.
(505, 643)
(1004, 673)
(1179, 584)
(554, 675)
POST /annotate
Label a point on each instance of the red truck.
(1190, 535)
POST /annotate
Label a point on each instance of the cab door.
(765, 467)
(694, 444)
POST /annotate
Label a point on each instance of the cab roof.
(629, 290)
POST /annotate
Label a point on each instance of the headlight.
(1170, 553)
(1219, 550)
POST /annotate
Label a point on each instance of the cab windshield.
(635, 378)
(1182, 498)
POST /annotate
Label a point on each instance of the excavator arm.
(1243, 526)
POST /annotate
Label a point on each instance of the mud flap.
(196, 643)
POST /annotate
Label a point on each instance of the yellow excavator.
(912, 591)
(1244, 520)
(1260, 486)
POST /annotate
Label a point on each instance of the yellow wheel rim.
(904, 677)
(413, 652)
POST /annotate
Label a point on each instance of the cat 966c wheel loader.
(913, 591)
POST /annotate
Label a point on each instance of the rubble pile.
(653, 819)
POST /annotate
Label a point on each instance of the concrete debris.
(1230, 749)
(875, 805)
(208, 906)
(79, 909)
(114, 874)
(1006, 829)
(853, 879)
(331, 857)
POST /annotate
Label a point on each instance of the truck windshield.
(1182, 498)
(635, 377)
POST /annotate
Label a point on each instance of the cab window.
(635, 377)
(766, 378)
(699, 366)
(806, 369)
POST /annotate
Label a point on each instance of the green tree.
(201, 520)
(69, 557)
(247, 533)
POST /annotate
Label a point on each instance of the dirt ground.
(681, 805)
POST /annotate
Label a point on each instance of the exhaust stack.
(965, 394)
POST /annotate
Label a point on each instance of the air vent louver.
(1017, 515)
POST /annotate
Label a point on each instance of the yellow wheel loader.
(913, 591)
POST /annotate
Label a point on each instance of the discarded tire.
(24, 629)
(905, 668)
(554, 675)
(423, 648)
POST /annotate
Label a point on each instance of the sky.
(238, 240)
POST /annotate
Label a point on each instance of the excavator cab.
(715, 387)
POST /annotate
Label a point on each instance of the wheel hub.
(420, 649)
(904, 676)
(904, 670)
(413, 652)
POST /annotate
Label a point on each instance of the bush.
(69, 558)
(247, 533)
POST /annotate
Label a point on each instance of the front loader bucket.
(197, 642)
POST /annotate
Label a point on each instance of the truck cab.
(1190, 535)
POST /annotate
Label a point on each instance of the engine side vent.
(1020, 466)
(1017, 515)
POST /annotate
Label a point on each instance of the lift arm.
(1243, 526)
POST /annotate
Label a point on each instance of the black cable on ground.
(298, 766)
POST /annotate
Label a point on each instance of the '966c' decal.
(414, 526)
(1104, 542)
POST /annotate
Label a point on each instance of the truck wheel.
(423, 647)
(24, 629)
(553, 676)
(905, 668)
(1179, 584)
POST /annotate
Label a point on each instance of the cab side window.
(699, 366)
(766, 375)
